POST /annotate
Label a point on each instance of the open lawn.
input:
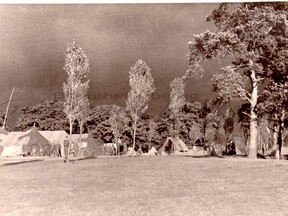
(168, 185)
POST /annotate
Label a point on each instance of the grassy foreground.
(169, 185)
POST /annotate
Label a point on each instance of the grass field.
(168, 185)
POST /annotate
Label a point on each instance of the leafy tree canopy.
(47, 115)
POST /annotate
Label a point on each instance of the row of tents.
(44, 143)
(50, 143)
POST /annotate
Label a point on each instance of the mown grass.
(169, 185)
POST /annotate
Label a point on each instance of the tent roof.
(76, 137)
(33, 137)
(13, 139)
(151, 152)
(54, 136)
(176, 142)
(129, 152)
(29, 137)
(182, 144)
(85, 138)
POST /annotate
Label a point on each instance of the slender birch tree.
(77, 68)
(141, 88)
(254, 36)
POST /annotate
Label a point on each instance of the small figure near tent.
(54, 151)
(66, 147)
(230, 148)
(59, 149)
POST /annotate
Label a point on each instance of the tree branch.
(247, 114)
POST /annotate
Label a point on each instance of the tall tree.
(255, 35)
(141, 88)
(244, 121)
(177, 101)
(77, 68)
(228, 125)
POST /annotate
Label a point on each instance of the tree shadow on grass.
(81, 159)
(86, 158)
(203, 156)
(20, 162)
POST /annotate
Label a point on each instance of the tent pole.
(5, 118)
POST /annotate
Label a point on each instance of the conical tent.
(151, 152)
(34, 143)
(171, 145)
(129, 152)
(139, 151)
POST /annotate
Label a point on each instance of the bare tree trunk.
(253, 120)
(280, 132)
(277, 140)
(275, 136)
(117, 143)
(134, 133)
(70, 139)
(80, 136)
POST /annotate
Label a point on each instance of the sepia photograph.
(144, 108)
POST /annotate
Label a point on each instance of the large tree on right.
(254, 37)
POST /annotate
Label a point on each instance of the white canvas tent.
(108, 149)
(151, 152)
(172, 145)
(86, 146)
(129, 152)
(12, 138)
(10, 145)
(55, 137)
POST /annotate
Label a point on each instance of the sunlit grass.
(168, 185)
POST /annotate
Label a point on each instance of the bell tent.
(30, 142)
(172, 145)
(151, 152)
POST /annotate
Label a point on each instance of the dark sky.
(113, 36)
